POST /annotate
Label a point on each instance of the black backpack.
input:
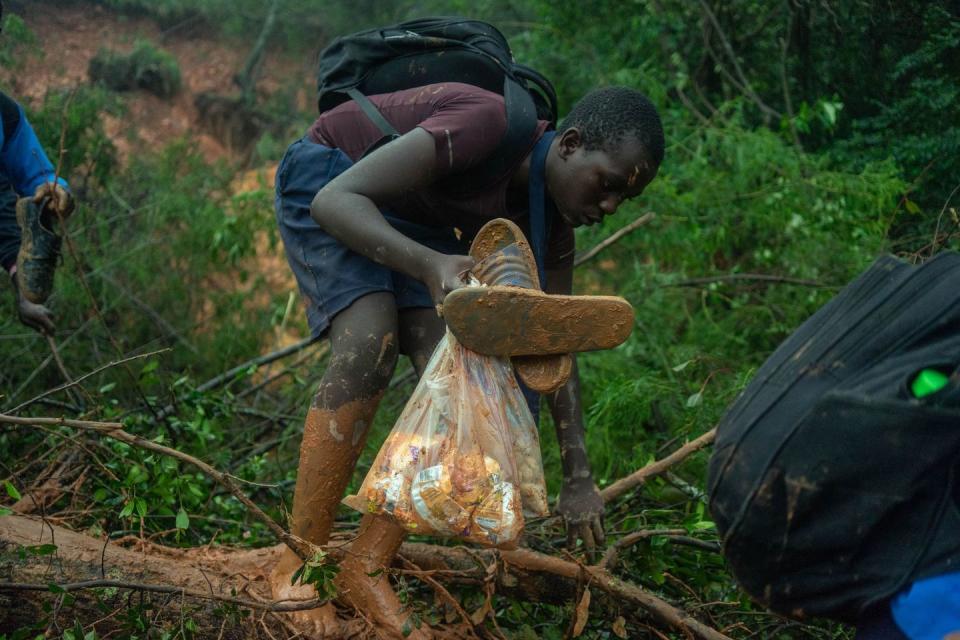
(432, 50)
(834, 482)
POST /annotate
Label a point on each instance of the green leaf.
(911, 206)
(183, 520)
(107, 388)
(141, 507)
(683, 365)
(55, 588)
(694, 400)
(127, 509)
(42, 549)
(150, 366)
(11, 490)
(4, 511)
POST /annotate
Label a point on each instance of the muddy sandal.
(513, 317)
(510, 321)
(504, 257)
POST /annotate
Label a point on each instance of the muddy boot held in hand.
(512, 317)
(39, 250)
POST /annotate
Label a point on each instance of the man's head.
(607, 150)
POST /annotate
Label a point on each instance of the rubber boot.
(39, 251)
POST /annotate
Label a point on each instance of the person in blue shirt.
(928, 609)
(26, 171)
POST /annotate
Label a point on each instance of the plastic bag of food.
(463, 459)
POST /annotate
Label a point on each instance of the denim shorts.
(331, 276)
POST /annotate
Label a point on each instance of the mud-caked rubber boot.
(504, 257)
(39, 252)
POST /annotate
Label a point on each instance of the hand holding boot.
(57, 199)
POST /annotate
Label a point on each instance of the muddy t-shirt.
(467, 124)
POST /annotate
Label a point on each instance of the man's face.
(586, 185)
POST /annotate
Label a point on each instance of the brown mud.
(508, 321)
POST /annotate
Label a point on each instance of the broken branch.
(640, 476)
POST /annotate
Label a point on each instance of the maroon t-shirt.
(467, 124)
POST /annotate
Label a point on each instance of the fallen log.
(203, 582)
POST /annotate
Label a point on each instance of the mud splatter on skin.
(327, 460)
(335, 432)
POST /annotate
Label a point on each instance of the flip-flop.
(511, 321)
(504, 256)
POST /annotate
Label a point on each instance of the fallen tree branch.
(537, 575)
(640, 476)
(657, 608)
(763, 277)
(275, 605)
(615, 236)
(115, 430)
(231, 373)
(71, 383)
(610, 557)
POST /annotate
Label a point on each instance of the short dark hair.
(605, 116)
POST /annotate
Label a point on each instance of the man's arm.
(347, 209)
(580, 503)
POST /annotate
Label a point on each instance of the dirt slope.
(70, 35)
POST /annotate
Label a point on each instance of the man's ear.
(570, 141)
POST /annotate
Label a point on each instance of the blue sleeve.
(21, 157)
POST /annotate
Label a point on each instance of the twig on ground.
(231, 373)
(276, 605)
(763, 277)
(659, 609)
(640, 476)
(610, 557)
(443, 593)
(71, 383)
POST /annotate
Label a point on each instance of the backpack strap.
(521, 115)
(373, 113)
(542, 208)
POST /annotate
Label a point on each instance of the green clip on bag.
(463, 459)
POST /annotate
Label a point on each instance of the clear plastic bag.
(463, 459)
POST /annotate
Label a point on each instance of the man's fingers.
(46, 321)
(599, 535)
(62, 201)
(571, 534)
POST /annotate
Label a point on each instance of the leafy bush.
(146, 67)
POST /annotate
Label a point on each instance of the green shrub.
(146, 67)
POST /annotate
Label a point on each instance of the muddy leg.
(364, 348)
(420, 331)
(379, 538)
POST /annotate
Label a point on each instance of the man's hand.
(35, 316)
(446, 274)
(58, 200)
(581, 506)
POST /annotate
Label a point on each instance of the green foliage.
(17, 40)
(835, 141)
(319, 571)
(72, 121)
(146, 67)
